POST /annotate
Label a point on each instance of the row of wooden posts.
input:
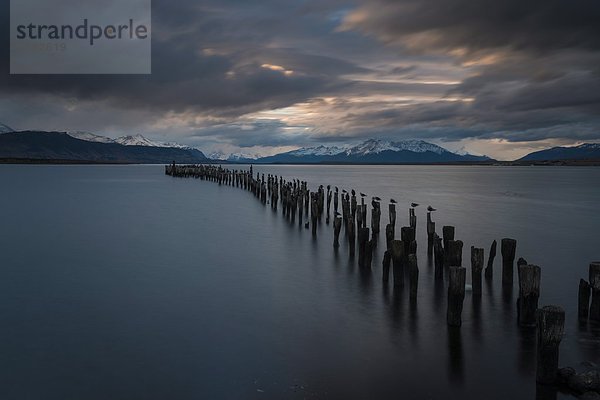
(400, 255)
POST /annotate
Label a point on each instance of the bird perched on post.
(393, 201)
(429, 208)
(362, 194)
(353, 192)
(413, 205)
(376, 198)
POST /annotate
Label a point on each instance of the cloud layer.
(271, 75)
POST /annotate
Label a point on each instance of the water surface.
(120, 282)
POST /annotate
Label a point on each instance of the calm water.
(121, 283)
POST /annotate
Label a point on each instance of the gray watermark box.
(80, 37)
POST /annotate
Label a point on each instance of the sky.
(501, 78)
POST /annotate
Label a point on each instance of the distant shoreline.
(572, 163)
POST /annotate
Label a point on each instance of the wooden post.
(407, 235)
(337, 227)
(456, 295)
(489, 270)
(351, 235)
(529, 293)
(508, 249)
(594, 281)
(397, 260)
(438, 252)
(584, 300)
(392, 209)
(363, 238)
(389, 235)
(413, 275)
(387, 260)
(412, 219)
(550, 329)
(453, 253)
(447, 234)
(369, 246)
(375, 218)
(430, 233)
(476, 268)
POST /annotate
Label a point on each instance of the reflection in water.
(476, 326)
(545, 392)
(455, 354)
(527, 340)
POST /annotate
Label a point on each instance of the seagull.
(413, 205)
(362, 194)
(328, 187)
(344, 191)
(336, 188)
(353, 192)
(393, 201)
(429, 208)
(376, 198)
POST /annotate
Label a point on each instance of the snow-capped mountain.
(90, 137)
(373, 151)
(137, 140)
(375, 146)
(131, 140)
(5, 128)
(233, 157)
(319, 151)
(61, 147)
(586, 151)
(217, 155)
(239, 157)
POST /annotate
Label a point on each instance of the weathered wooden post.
(430, 233)
(453, 253)
(351, 235)
(397, 262)
(447, 234)
(594, 281)
(508, 249)
(407, 235)
(387, 260)
(489, 270)
(335, 200)
(412, 219)
(438, 253)
(583, 305)
(456, 295)
(392, 210)
(529, 293)
(375, 218)
(476, 268)
(337, 227)
(550, 329)
(369, 246)
(389, 235)
(413, 275)
(328, 202)
(363, 238)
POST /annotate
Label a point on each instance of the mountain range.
(586, 151)
(32, 146)
(373, 151)
(81, 146)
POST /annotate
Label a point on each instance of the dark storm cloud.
(484, 24)
(534, 65)
(230, 81)
(435, 69)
